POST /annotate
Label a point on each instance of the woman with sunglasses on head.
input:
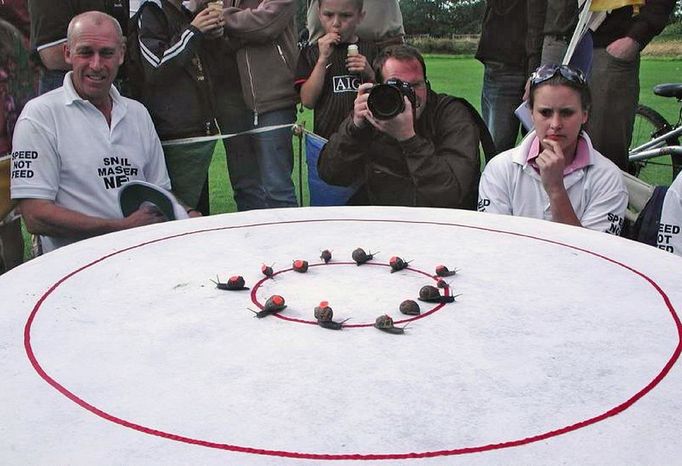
(555, 173)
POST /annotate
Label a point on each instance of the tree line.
(445, 17)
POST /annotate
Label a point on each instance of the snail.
(300, 266)
(267, 270)
(324, 316)
(410, 308)
(360, 256)
(326, 256)
(430, 294)
(397, 264)
(443, 271)
(273, 305)
(235, 283)
(442, 284)
(385, 323)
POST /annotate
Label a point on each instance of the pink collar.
(581, 160)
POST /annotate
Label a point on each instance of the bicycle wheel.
(657, 170)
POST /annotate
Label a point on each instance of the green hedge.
(444, 45)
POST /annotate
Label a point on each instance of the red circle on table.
(282, 315)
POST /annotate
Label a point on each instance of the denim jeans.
(502, 92)
(50, 79)
(259, 165)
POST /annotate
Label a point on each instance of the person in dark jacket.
(177, 89)
(425, 156)
(49, 20)
(509, 48)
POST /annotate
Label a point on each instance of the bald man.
(76, 146)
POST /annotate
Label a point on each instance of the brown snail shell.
(275, 303)
(267, 270)
(326, 256)
(300, 266)
(443, 271)
(236, 282)
(410, 308)
(397, 263)
(323, 312)
(429, 292)
(384, 321)
(360, 256)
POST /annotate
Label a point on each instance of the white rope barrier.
(218, 137)
(297, 130)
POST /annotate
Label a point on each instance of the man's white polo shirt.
(511, 186)
(64, 151)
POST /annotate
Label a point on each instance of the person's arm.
(343, 159)
(652, 18)
(312, 88)
(670, 227)
(49, 22)
(495, 188)
(261, 24)
(44, 217)
(606, 200)
(53, 57)
(551, 163)
(164, 54)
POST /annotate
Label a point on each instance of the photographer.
(425, 155)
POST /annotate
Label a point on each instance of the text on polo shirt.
(616, 224)
(116, 171)
(21, 163)
(666, 232)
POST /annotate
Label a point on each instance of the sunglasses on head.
(547, 72)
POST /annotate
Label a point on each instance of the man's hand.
(145, 215)
(551, 163)
(53, 57)
(357, 64)
(193, 213)
(326, 45)
(401, 127)
(360, 109)
(625, 48)
(209, 22)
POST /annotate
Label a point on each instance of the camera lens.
(385, 101)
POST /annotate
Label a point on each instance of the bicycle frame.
(656, 152)
(655, 142)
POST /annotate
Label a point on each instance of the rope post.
(298, 131)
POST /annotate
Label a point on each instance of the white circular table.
(561, 346)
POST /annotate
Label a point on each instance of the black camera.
(385, 101)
